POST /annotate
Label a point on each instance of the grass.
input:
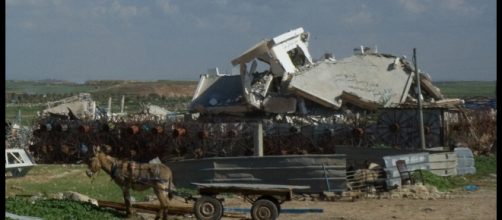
(463, 89)
(49, 179)
(485, 165)
(33, 87)
(58, 209)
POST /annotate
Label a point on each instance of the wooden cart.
(266, 199)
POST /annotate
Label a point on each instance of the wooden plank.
(148, 208)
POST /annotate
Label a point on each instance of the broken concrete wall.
(365, 76)
(218, 93)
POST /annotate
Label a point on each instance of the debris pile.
(289, 81)
(306, 107)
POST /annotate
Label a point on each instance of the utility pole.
(419, 97)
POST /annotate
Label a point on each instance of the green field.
(33, 87)
(28, 97)
(464, 89)
(24, 92)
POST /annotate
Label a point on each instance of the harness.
(118, 171)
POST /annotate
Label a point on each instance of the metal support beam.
(258, 139)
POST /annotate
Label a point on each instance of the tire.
(264, 209)
(208, 208)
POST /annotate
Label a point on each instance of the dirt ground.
(461, 205)
(480, 204)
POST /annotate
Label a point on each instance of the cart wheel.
(208, 208)
(264, 209)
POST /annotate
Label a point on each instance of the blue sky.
(180, 39)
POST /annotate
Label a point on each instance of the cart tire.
(264, 209)
(208, 208)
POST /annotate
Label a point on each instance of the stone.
(75, 196)
(57, 195)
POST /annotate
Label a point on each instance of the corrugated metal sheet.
(465, 161)
(413, 162)
(316, 171)
(443, 164)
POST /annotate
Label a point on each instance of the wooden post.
(258, 139)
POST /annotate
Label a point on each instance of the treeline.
(132, 101)
(25, 98)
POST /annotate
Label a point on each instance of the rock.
(421, 189)
(57, 195)
(75, 196)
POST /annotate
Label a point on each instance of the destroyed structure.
(306, 106)
(293, 83)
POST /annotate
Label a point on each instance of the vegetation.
(56, 178)
(58, 209)
(464, 89)
(50, 179)
(32, 96)
(485, 165)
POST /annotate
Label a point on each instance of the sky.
(79, 40)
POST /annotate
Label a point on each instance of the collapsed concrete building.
(291, 82)
(79, 106)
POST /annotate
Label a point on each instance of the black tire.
(208, 208)
(264, 209)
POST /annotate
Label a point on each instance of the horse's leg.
(159, 191)
(127, 200)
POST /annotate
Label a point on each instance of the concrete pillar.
(258, 139)
(93, 110)
(109, 106)
(122, 104)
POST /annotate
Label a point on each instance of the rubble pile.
(306, 106)
(292, 82)
(417, 191)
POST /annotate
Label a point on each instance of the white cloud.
(363, 16)
(460, 6)
(32, 3)
(123, 11)
(414, 6)
(166, 6)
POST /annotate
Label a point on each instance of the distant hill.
(168, 88)
(165, 88)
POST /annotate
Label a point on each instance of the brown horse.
(129, 175)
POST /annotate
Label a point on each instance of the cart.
(266, 199)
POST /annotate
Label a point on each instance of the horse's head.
(93, 164)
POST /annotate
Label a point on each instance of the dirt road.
(478, 205)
